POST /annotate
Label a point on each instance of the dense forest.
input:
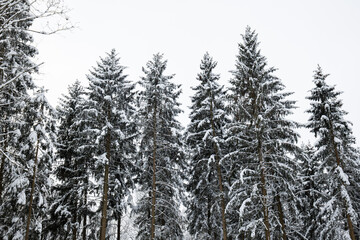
(113, 161)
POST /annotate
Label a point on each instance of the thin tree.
(107, 110)
(42, 136)
(262, 139)
(339, 168)
(161, 155)
(19, 101)
(204, 138)
(67, 206)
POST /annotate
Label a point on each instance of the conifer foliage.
(71, 173)
(16, 54)
(68, 207)
(308, 189)
(204, 138)
(25, 199)
(109, 116)
(339, 171)
(161, 155)
(26, 129)
(263, 137)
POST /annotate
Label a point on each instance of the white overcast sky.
(295, 36)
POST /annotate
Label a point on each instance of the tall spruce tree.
(27, 129)
(122, 171)
(161, 155)
(25, 201)
(204, 138)
(110, 122)
(339, 171)
(16, 53)
(68, 208)
(262, 175)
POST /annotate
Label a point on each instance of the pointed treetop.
(319, 76)
(154, 70)
(207, 62)
(157, 65)
(250, 39)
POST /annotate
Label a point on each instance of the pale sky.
(295, 36)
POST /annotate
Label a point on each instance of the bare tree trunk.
(281, 217)
(32, 190)
(2, 175)
(218, 168)
(209, 228)
(85, 214)
(3, 158)
(74, 228)
(106, 180)
(263, 191)
(118, 227)
(351, 227)
(153, 201)
(104, 204)
(341, 165)
(242, 235)
(84, 227)
(105, 193)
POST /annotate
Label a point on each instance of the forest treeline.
(113, 156)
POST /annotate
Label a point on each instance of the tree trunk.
(242, 235)
(263, 191)
(118, 227)
(32, 190)
(85, 214)
(2, 167)
(153, 201)
(2, 175)
(341, 165)
(209, 228)
(281, 217)
(84, 227)
(312, 200)
(105, 193)
(218, 168)
(106, 180)
(74, 227)
(5, 131)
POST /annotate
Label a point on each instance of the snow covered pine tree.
(263, 176)
(25, 197)
(27, 128)
(204, 138)
(339, 171)
(161, 155)
(69, 204)
(16, 65)
(109, 114)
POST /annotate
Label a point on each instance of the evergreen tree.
(16, 53)
(26, 126)
(204, 137)
(121, 173)
(161, 155)
(262, 172)
(109, 114)
(68, 208)
(25, 198)
(338, 172)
